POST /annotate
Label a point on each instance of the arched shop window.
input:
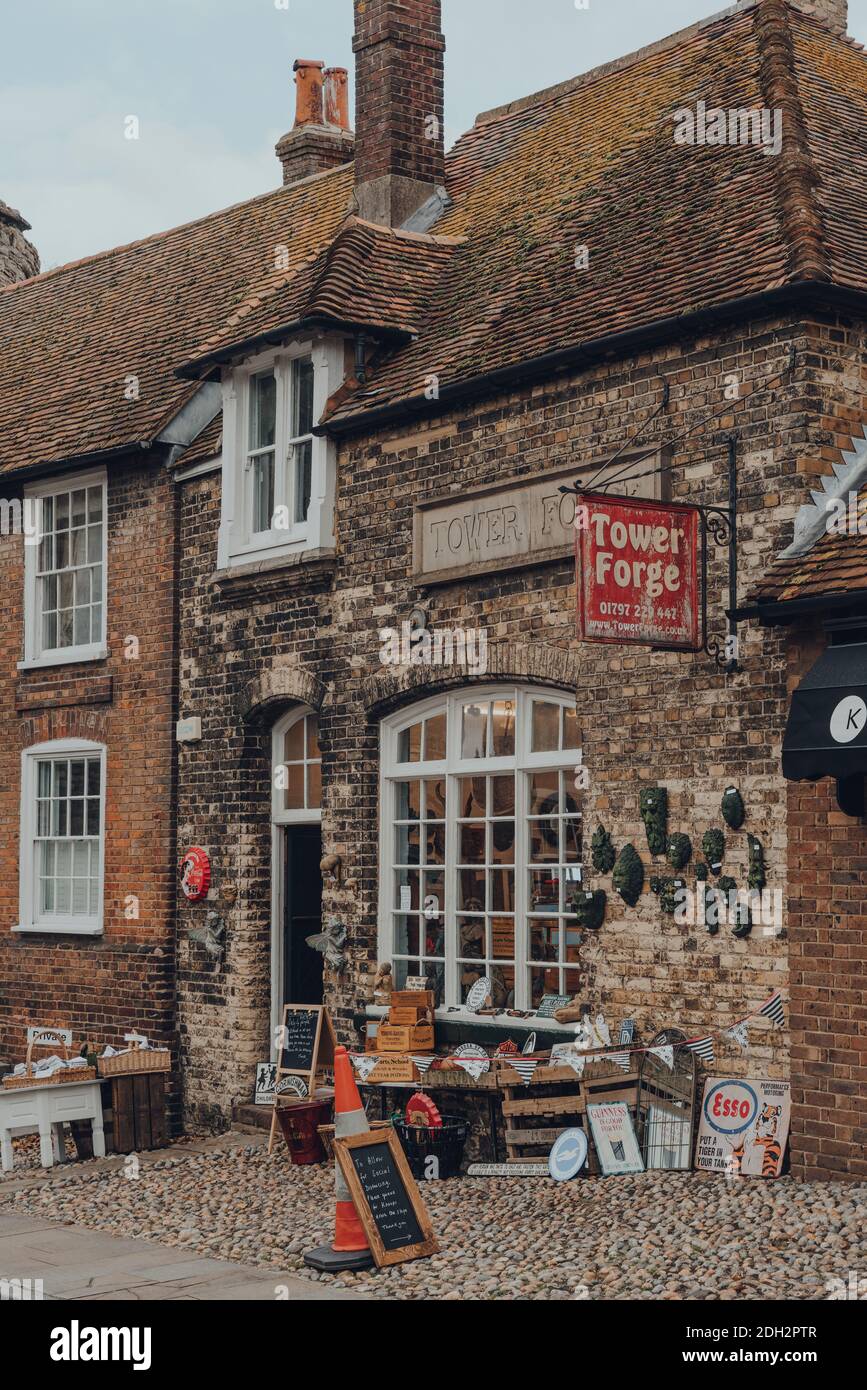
(481, 844)
(297, 762)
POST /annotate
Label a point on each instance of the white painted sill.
(70, 656)
(465, 1017)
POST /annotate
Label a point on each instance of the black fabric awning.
(826, 735)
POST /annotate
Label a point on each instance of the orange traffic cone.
(351, 1249)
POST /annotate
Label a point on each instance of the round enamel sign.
(730, 1107)
(195, 874)
(568, 1155)
(479, 993)
(848, 719)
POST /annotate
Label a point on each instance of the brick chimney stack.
(399, 144)
(321, 137)
(834, 14)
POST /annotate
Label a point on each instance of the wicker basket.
(47, 1038)
(137, 1059)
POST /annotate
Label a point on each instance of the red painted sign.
(195, 874)
(637, 565)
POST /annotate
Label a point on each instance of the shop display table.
(47, 1109)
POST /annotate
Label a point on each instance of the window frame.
(73, 924)
(302, 815)
(523, 763)
(238, 544)
(34, 655)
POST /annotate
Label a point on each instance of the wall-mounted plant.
(653, 805)
(710, 903)
(589, 908)
(602, 851)
(713, 845)
(756, 877)
(701, 871)
(679, 850)
(732, 807)
(670, 894)
(628, 876)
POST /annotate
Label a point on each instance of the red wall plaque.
(195, 874)
(637, 569)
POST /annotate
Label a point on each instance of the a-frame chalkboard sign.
(305, 1045)
(386, 1197)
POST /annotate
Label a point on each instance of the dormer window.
(278, 477)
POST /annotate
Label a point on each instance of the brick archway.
(507, 661)
(275, 689)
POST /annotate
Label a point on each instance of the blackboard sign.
(299, 1037)
(386, 1197)
(305, 1044)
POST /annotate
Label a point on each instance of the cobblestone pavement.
(650, 1236)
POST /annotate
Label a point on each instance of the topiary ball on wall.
(653, 805)
(679, 850)
(602, 851)
(732, 807)
(589, 908)
(628, 876)
(713, 845)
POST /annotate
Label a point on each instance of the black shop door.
(302, 966)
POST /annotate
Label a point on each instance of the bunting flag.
(665, 1053)
(365, 1064)
(423, 1064)
(739, 1035)
(524, 1067)
(702, 1047)
(474, 1066)
(621, 1058)
(577, 1061)
(773, 1009)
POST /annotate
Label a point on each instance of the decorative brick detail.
(276, 689)
(55, 691)
(507, 661)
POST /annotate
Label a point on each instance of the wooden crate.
(393, 1068)
(138, 1112)
(419, 1038)
(555, 1099)
(412, 999)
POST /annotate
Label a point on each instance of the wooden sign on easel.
(306, 1044)
(386, 1197)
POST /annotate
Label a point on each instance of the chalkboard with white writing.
(386, 1197)
(298, 1039)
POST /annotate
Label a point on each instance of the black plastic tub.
(444, 1143)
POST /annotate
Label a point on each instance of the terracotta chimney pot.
(337, 97)
(308, 92)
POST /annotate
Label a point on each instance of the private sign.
(637, 569)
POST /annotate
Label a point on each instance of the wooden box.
(418, 1038)
(393, 1069)
(412, 999)
(402, 1016)
(138, 1112)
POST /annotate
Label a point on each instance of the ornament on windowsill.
(602, 852)
(756, 877)
(732, 808)
(713, 846)
(589, 908)
(628, 875)
(653, 806)
(679, 850)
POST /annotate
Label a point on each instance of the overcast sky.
(210, 82)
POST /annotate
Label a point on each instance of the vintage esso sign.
(730, 1107)
(195, 874)
(637, 570)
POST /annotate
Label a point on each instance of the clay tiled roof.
(669, 228)
(369, 276)
(69, 339)
(836, 566)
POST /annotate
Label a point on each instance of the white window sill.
(268, 550)
(486, 1021)
(67, 927)
(69, 656)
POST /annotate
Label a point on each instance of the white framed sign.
(744, 1127)
(266, 1076)
(48, 1035)
(614, 1138)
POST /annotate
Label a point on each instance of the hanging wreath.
(713, 844)
(653, 805)
(602, 851)
(679, 850)
(628, 875)
(732, 808)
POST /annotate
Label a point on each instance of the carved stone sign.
(525, 521)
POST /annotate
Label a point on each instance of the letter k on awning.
(826, 735)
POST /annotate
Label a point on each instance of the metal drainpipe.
(360, 345)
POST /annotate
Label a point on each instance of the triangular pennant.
(665, 1053)
(524, 1067)
(423, 1064)
(621, 1058)
(474, 1066)
(365, 1064)
(773, 1009)
(702, 1047)
(739, 1035)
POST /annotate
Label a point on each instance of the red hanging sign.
(195, 874)
(637, 568)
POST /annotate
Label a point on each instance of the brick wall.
(398, 86)
(828, 961)
(101, 986)
(647, 717)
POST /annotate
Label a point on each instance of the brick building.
(358, 401)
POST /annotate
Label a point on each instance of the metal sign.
(638, 572)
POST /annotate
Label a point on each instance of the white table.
(24, 1109)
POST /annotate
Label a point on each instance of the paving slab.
(79, 1265)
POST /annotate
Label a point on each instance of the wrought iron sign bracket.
(719, 527)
